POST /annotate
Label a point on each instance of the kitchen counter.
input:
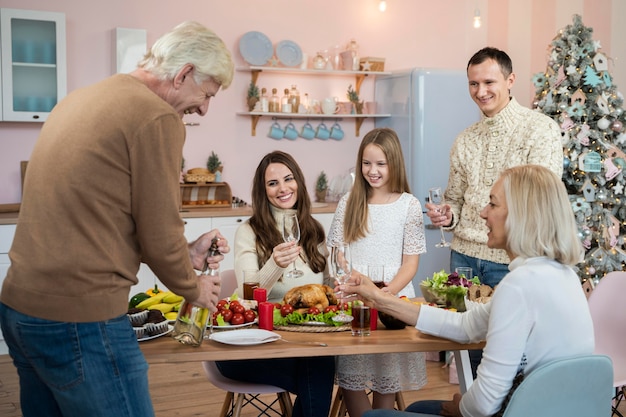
(11, 217)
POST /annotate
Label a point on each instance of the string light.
(382, 6)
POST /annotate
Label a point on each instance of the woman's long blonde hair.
(355, 224)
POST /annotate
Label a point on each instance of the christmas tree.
(578, 92)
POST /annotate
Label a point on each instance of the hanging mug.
(276, 132)
(336, 132)
(290, 131)
(307, 131)
(322, 132)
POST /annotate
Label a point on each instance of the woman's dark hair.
(501, 57)
(264, 224)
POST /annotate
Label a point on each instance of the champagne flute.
(435, 196)
(291, 232)
(341, 266)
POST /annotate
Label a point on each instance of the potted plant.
(321, 186)
(353, 96)
(214, 164)
(253, 96)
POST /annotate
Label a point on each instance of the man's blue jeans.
(77, 369)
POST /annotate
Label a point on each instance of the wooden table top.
(167, 350)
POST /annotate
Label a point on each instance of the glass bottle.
(265, 102)
(353, 46)
(285, 105)
(192, 321)
(294, 99)
(274, 102)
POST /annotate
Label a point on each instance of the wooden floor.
(183, 390)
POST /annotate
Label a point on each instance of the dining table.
(313, 343)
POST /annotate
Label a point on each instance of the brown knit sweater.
(101, 194)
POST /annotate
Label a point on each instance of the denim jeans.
(77, 369)
(490, 273)
(310, 379)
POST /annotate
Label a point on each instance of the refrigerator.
(428, 108)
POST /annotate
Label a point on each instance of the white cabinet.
(33, 63)
(227, 227)
(194, 227)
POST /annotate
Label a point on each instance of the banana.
(172, 298)
(171, 316)
(155, 299)
(162, 307)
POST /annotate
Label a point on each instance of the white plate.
(289, 53)
(169, 330)
(235, 326)
(255, 48)
(245, 337)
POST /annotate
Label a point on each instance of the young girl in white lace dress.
(382, 221)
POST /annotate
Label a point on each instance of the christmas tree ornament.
(603, 123)
(600, 62)
(617, 126)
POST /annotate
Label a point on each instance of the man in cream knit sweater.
(507, 135)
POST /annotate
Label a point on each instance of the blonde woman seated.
(538, 312)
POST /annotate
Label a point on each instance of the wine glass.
(435, 196)
(341, 265)
(291, 232)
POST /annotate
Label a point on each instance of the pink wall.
(410, 33)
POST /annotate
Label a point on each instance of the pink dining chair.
(247, 393)
(609, 326)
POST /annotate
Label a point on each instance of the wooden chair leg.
(400, 401)
(238, 405)
(337, 404)
(228, 400)
(286, 407)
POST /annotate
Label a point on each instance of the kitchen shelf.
(359, 76)
(358, 118)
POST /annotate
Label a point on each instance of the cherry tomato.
(286, 309)
(345, 306)
(238, 308)
(277, 306)
(221, 304)
(233, 304)
(237, 319)
(332, 308)
(249, 316)
(313, 310)
(227, 315)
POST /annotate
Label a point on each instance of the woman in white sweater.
(278, 188)
(538, 312)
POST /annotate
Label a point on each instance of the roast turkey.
(310, 295)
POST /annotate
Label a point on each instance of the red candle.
(266, 315)
(373, 319)
(260, 295)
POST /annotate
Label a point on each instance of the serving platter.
(168, 331)
(246, 337)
